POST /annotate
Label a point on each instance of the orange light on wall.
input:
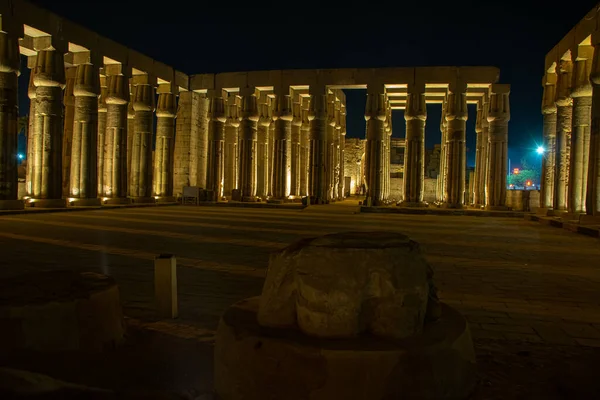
(528, 183)
(516, 171)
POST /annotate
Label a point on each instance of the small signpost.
(165, 285)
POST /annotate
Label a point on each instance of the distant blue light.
(21, 156)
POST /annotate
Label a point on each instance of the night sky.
(222, 36)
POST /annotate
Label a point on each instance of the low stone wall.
(429, 190)
(396, 189)
(523, 200)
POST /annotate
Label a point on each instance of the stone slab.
(442, 211)
(11, 205)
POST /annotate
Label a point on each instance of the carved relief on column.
(375, 157)
(199, 140)
(498, 117)
(68, 122)
(130, 135)
(84, 155)
(9, 70)
(592, 203)
(580, 138)
(282, 115)
(231, 152)
(304, 147)
(336, 149)
(216, 139)
(564, 112)
(456, 118)
(165, 144)
(317, 115)
(140, 188)
(182, 157)
(415, 115)
(49, 81)
(101, 150)
(262, 148)
(248, 145)
(549, 137)
(481, 157)
(387, 152)
(30, 135)
(295, 148)
(342, 179)
(441, 178)
(116, 151)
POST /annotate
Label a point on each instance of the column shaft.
(182, 154)
(101, 151)
(375, 148)
(199, 140)
(30, 135)
(216, 139)
(498, 117)
(304, 153)
(140, 188)
(481, 157)
(117, 136)
(248, 146)
(456, 117)
(563, 136)
(296, 151)
(262, 153)
(317, 189)
(441, 178)
(165, 141)
(68, 121)
(415, 115)
(281, 172)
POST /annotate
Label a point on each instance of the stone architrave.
(84, 155)
(216, 139)
(549, 144)
(281, 171)
(415, 115)
(580, 138)
(165, 144)
(498, 116)
(9, 69)
(564, 104)
(317, 116)
(49, 81)
(456, 150)
(101, 150)
(375, 158)
(248, 145)
(116, 134)
(140, 188)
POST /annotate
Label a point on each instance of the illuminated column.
(388, 149)
(30, 131)
(456, 117)
(130, 134)
(304, 148)
(549, 132)
(481, 158)
(564, 113)
(282, 114)
(592, 201)
(116, 150)
(580, 140)
(317, 185)
(296, 148)
(262, 148)
(498, 117)
(232, 124)
(182, 154)
(415, 115)
(101, 150)
(248, 144)
(140, 189)
(84, 154)
(68, 123)
(337, 195)
(441, 179)
(375, 158)
(199, 140)
(165, 144)
(9, 62)
(216, 139)
(342, 122)
(329, 152)
(49, 81)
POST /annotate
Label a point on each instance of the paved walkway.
(515, 280)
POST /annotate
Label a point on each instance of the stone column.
(549, 132)
(336, 151)
(296, 148)
(375, 158)
(165, 145)
(101, 151)
(31, 132)
(262, 150)
(329, 157)
(282, 115)
(49, 81)
(592, 201)
(304, 148)
(199, 140)
(130, 134)
(498, 117)
(182, 158)
(216, 141)
(456, 118)
(248, 144)
(415, 115)
(9, 62)
(68, 125)
(564, 112)
(441, 179)
(117, 137)
(84, 155)
(580, 139)
(387, 152)
(232, 125)
(317, 183)
(342, 146)
(481, 158)
(140, 189)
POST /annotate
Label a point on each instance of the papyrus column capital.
(499, 106)
(549, 98)
(415, 102)
(582, 87)
(564, 82)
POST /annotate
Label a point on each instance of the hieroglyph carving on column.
(580, 138)
(456, 118)
(165, 144)
(248, 145)
(564, 126)
(498, 117)
(101, 150)
(592, 203)
(216, 138)
(116, 136)
(282, 114)
(375, 115)
(549, 136)
(140, 188)
(317, 116)
(415, 115)
(9, 70)
(84, 154)
(49, 81)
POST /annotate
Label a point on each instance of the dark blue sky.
(219, 36)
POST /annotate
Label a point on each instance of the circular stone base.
(11, 205)
(255, 363)
(48, 203)
(86, 202)
(58, 311)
